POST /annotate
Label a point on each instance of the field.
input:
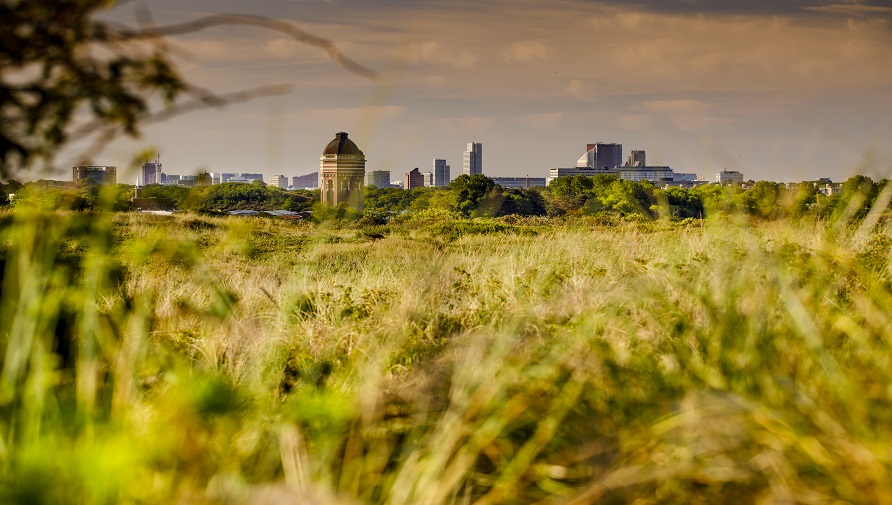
(438, 360)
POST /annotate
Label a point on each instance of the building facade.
(279, 181)
(309, 181)
(342, 173)
(151, 172)
(378, 178)
(473, 159)
(441, 173)
(428, 179)
(729, 177)
(519, 182)
(413, 179)
(637, 159)
(601, 155)
(94, 174)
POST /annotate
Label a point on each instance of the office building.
(636, 159)
(729, 177)
(94, 174)
(428, 179)
(378, 178)
(309, 181)
(653, 174)
(441, 173)
(601, 155)
(519, 182)
(473, 159)
(279, 181)
(150, 173)
(413, 179)
(221, 178)
(342, 172)
(252, 177)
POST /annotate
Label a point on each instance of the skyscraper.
(150, 173)
(413, 179)
(602, 155)
(378, 178)
(93, 174)
(441, 173)
(473, 161)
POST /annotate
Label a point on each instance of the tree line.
(479, 196)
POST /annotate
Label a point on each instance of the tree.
(66, 76)
(468, 190)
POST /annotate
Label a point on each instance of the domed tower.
(342, 172)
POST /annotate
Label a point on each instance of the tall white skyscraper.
(441, 173)
(473, 162)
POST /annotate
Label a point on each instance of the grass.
(190, 359)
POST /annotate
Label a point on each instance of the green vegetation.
(437, 359)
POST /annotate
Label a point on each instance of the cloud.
(529, 51)
(545, 121)
(463, 125)
(433, 52)
(851, 9)
(689, 115)
(636, 122)
(577, 88)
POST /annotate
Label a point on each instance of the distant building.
(729, 177)
(279, 181)
(151, 172)
(378, 178)
(251, 177)
(309, 181)
(204, 179)
(637, 159)
(601, 155)
(554, 173)
(473, 159)
(413, 179)
(221, 178)
(519, 182)
(441, 173)
(94, 174)
(342, 172)
(428, 179)
(653, 174)
(241, 180)
(170, 179)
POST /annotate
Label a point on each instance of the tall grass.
(206, 360)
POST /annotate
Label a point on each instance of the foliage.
(468, 191)
(235, 196)
(251, 360)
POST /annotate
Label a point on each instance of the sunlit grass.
(231, 360)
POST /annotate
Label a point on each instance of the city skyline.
(786, 93)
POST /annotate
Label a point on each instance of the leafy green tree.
(468, 191)
(679, 202)
(4, 198)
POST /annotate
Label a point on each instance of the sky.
(779, 90)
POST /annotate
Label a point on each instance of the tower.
(342, 172)
(473, 160)
(441, 173)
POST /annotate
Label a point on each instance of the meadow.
(444, 360)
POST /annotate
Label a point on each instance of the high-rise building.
(601, 155)
(637, 159)
(220, 178)
(473, 160)
(151, 173)
(378, 178)
(309, 181)
(342, 172)
(94, 174)
(413, 179)
(279, 181)
(428, 179)
(441, 173)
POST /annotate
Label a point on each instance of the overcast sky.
(780, 90)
